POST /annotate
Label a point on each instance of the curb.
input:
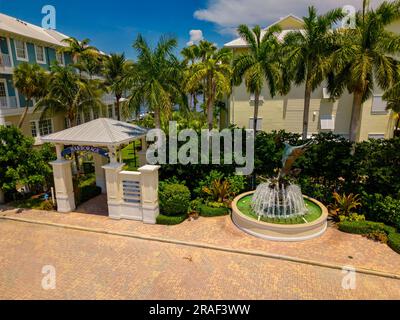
(208, 246)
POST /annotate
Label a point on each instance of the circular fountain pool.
(257, 219)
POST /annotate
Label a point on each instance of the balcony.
(8, 102)
(5, 61)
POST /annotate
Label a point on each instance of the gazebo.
(130, 194)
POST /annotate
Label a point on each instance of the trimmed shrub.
(364, 227)
(384, 209)
(174, 199)
(46, 205)
(170, 221)
(206, 211)
(394, 241)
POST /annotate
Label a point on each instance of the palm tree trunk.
(23, 116)
(256, 108)
(157, 120)
(306, 112)
(117, 107)
(356, 116)
(210, 109)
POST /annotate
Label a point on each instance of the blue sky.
(113, 25)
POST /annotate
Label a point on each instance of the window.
(33, 129)
(78, 119)
(60, 57)
(3, 95)
(376, 136)
(327, 122)
(378, 105)
(40, 55)
(110, 111)
(67, 123)
(259, 124)
(20, 50)
(45, 127)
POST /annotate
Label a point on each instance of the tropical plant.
(392, 96)
(116, 71)
(365, 57)
(30, 80)
(69, 94)
(219, 190)
(190, 55)
(214, 72)
(308, 53)
(344, 205)
(79, 49)
(156, 80)
(259, 64)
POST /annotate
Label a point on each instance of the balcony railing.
(8, 102)
(5, 60)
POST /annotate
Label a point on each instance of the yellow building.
(286, 112)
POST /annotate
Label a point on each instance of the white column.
(114, 196)
(142, 153)
(62, 171)
(99, 162)
(149, 193)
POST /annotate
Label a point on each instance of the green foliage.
(384, 209)
(88, 192)
(207, 211)
(195, 205)
(394, 241)
(46, 205)
(344, 206)
(364, 227)
(20, 163)
(174, 199)
(379, 236)
(170, 220)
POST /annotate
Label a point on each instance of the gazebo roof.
(99, 132)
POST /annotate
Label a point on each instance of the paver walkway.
(333, 247)
(97, 266)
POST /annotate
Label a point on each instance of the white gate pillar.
(62, 172)
(114, 194)
(99, 162)
(149, 193)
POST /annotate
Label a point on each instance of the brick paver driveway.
(95, 266)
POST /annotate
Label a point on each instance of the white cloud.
(228, 14)
(195, 37)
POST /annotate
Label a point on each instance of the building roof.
(99, 132)
(27, 30)
(288, 24)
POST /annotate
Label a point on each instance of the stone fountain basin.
(280, 232)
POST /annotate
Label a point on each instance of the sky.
(113, 25)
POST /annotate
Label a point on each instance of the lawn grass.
(128, 156)
(314, 212)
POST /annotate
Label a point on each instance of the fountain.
(277, 209)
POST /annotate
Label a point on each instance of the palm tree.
(191, 55)
(69, 94)
(308, 52)
(215, 72)
(30, 80)
(156, 78)
(392, 96)
(259, 64)
(365, 58)
(116, 70)
(79, 49)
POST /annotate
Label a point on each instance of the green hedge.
(170, 221)
(368, 227)
(364, 227)
(394, 241)
(206, 211)
(174, 199)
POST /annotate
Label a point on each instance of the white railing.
(5, 60)
(8, 102)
